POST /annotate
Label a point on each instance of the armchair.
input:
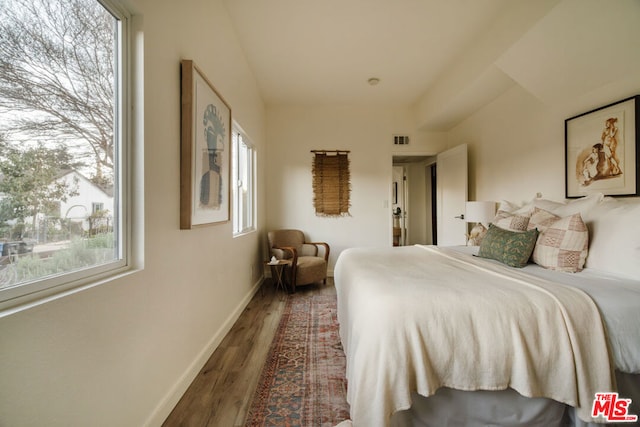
(307, 266)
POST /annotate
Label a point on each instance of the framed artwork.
(204, 152)
(602, 151)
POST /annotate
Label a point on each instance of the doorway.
(399, 205)
(412, 200)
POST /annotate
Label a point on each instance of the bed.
(437, 336)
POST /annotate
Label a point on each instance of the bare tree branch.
(57, 73)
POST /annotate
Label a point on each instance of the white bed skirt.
(450, 407)
(504, 408)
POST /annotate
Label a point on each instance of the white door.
(451, 195)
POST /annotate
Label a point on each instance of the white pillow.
(561, 208)
(582, 205)
(614, 227)
(548, 205)
(507, 206)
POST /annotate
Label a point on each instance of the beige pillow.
(541, 219)
(563, 245)
(509, 221)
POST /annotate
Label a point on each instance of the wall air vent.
(400, 139)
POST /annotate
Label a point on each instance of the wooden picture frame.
(602, 151)
(205, 151)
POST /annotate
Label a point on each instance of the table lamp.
(478, 212)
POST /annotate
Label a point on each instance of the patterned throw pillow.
(564, 245)
(541, 219)
(510, 221)
(509, 247)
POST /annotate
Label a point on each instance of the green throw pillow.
(513, 248)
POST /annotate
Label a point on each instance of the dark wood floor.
(221, 393)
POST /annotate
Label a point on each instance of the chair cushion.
(310, 270)
(280, 238)
(308, 250)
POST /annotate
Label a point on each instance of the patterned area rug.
(303, 381)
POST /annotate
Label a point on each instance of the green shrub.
(81, 253)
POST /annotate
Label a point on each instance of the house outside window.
(243, 181)
(63, 85)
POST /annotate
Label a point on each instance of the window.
(243, 180)
(63, 87)
(96, 207)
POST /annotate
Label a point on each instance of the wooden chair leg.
(293, 272)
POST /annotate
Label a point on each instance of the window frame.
(240, 137)
(40, 291)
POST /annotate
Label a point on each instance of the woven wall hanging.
(331, 182)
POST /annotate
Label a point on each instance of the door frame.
(400, 199)
(400, 159)
(452, 228)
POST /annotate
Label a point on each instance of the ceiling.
(444, 59)
(307, 52)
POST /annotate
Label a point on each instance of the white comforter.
(419, 318)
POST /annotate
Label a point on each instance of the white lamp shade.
(480, 211)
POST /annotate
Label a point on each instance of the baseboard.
(171, 399)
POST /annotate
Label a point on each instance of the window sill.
(244, 232)
(29, 301)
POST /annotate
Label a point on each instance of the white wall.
(516, 149)
(516, 146)
(368, 133)
(122, 353)
(515, 136)
(516, 141)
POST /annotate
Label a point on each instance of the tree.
(57, 75)
(29, 184)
